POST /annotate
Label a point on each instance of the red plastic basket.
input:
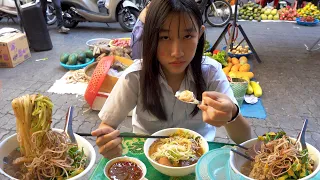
(97, 79)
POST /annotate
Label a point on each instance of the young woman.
(173, 42)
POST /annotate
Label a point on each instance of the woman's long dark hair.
(149, 76)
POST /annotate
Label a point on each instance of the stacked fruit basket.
(309, 14)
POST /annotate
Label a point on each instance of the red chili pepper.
(215, 51)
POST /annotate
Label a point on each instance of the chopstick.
(245, 148)
(243, 155)
(128, 135)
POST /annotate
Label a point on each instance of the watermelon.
(82, 57)
(89, 54)
(72, 60)
(64, 58)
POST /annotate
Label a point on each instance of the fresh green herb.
(270, 136)
(220, 57)
(304, 154)
(206, 46)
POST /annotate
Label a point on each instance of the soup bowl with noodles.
(178, 154)
(10, 144)
(278, 158)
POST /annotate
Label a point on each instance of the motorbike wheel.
(211, 15)
(128, 18)
(68, 19)
(51, 14)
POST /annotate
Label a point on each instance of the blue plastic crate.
(314, 23)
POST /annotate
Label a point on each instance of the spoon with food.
(187, 97)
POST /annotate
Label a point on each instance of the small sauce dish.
(126, 168)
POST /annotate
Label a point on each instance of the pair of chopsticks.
(128, 135)
(241, 154)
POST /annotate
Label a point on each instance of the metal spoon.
(68, 126)
(194, 100)
(301, 136)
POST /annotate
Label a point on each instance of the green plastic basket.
(239, 88)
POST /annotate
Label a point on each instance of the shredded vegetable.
(178, 147)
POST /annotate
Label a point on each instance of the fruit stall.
(81, 64)
(308, 15)
(238, 69)
(87, 74)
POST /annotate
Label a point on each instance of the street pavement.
(289, 76)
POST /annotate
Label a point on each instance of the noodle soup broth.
(168, 165)
(242, 167)
(10, 144)
(177, 151)
(6, 147)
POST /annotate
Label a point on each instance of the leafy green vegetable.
(304, 154)
(220, 57)
(271, 136)
(79, 160)
(206, 46)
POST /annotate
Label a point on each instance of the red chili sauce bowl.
(125, 168)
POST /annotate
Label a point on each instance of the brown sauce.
(124, 170)
(10, 168)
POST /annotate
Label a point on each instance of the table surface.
(133, 147)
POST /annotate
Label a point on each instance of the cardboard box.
(14, 49)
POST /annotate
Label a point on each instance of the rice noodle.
(180, 146)
(277, 158)
(52, 155)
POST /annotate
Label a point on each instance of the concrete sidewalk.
(289, 76)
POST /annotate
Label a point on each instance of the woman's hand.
(108, 141)
(217, 108)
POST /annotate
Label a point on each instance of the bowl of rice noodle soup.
(178, 154)
(38, 151)
(276, 156)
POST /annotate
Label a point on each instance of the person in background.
(173, 43)
(136, 35)
(57, 7)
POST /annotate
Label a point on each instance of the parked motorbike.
(216, 12)
(8, 9)
(104, 11)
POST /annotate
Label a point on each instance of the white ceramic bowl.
(237, 161)
(92, 42)
(172, 171)
(11, 143)
(126, 158)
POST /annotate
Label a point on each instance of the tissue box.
(14, 49)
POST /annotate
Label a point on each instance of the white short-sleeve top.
(126, 95)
